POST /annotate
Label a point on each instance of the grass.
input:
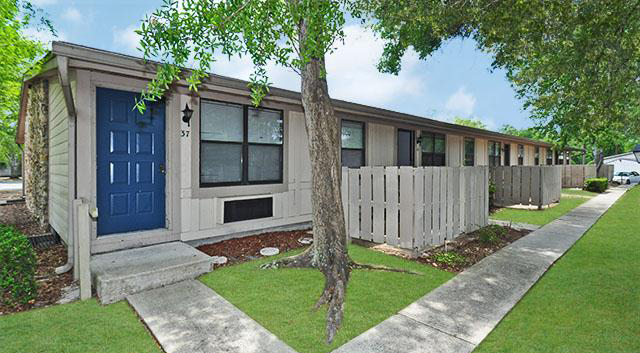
(588, 301)
(77, 327)
(578, 192)
(569, 200)
(282, 300)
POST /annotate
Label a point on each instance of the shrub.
(491, 234)
(17, 267)
(492, 193)
(596, 184)
(450, 258)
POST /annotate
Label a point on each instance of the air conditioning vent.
(247, 209)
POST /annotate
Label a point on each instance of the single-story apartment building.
(231, 169)
(624, 162)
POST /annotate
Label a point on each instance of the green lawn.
(589, 301)
(78, 327)
(578, 192)
(282, 300)
(569, 200)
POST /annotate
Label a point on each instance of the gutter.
(65, 83)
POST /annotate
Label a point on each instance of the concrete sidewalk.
(189, 317)
(457, 316)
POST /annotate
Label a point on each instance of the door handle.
(163, 170)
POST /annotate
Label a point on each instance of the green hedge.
(17, 267)
(596, 184)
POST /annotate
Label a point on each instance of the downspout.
(65, 83)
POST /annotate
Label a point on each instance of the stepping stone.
(269, 251)
(305, 240)
(189, 317)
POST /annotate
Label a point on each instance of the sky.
(454, 82)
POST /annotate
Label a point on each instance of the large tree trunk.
(329, 251)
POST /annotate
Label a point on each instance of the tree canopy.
(18, 56)
(477, 123)
(575, 64)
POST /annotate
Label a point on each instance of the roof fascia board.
(146, 69)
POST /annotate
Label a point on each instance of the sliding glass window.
(239, 145)
(352, 144)
(469, 152)
(520, 154)
(433, 148)
(494, 153)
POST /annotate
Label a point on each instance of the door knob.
(163, 170)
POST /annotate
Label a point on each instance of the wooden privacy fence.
(574, 175)
(414, 208)
(526, 185)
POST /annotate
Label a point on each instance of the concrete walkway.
(457, 316)
(515, 225)
(189, 317)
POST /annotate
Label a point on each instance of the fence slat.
(391, 226)
(428, 208)
(378, 204)
(354, 203)
(406, 207)
(366, 204)
(418, 200)
(436, 206)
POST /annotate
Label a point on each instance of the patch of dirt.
(471, 248)
(17, 215)
(50, 284)
(239, 250)
(10, 194)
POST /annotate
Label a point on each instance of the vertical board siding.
(412, 207)
(59, 205)
(526, 185)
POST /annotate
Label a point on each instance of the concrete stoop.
(119, 274)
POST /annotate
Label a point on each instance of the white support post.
(84, 249)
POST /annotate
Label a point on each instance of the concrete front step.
(119, 274)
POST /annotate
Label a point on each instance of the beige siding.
(58, 161)
(380, 145)
(482, 152)
(454, 150)
(203, 217)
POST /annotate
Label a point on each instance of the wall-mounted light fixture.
(636, 152)
(186, 114)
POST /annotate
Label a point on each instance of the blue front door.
(130, 162)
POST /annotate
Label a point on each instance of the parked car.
(627, 177)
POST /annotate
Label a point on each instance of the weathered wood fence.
(526, 185)
(574, 175)
(414, 208)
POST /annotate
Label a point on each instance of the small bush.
(492, 193)
(491, 234)
(450, 258)
(17, 267)
(596, 184)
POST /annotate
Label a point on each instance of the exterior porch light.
(636, 152)
(186, 114)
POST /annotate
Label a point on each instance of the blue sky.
(455, 81)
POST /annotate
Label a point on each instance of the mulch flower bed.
(18, 215)
(239, 250)
(50, 284)
(470, 248)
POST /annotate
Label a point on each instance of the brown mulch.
(239, 250)
(50, 284)
(20, 217)
(471, 248)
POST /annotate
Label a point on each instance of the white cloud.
(41, 3)
(72, 14)
(352, 73)
(43, 35)
(461, 102)
(127, 39)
